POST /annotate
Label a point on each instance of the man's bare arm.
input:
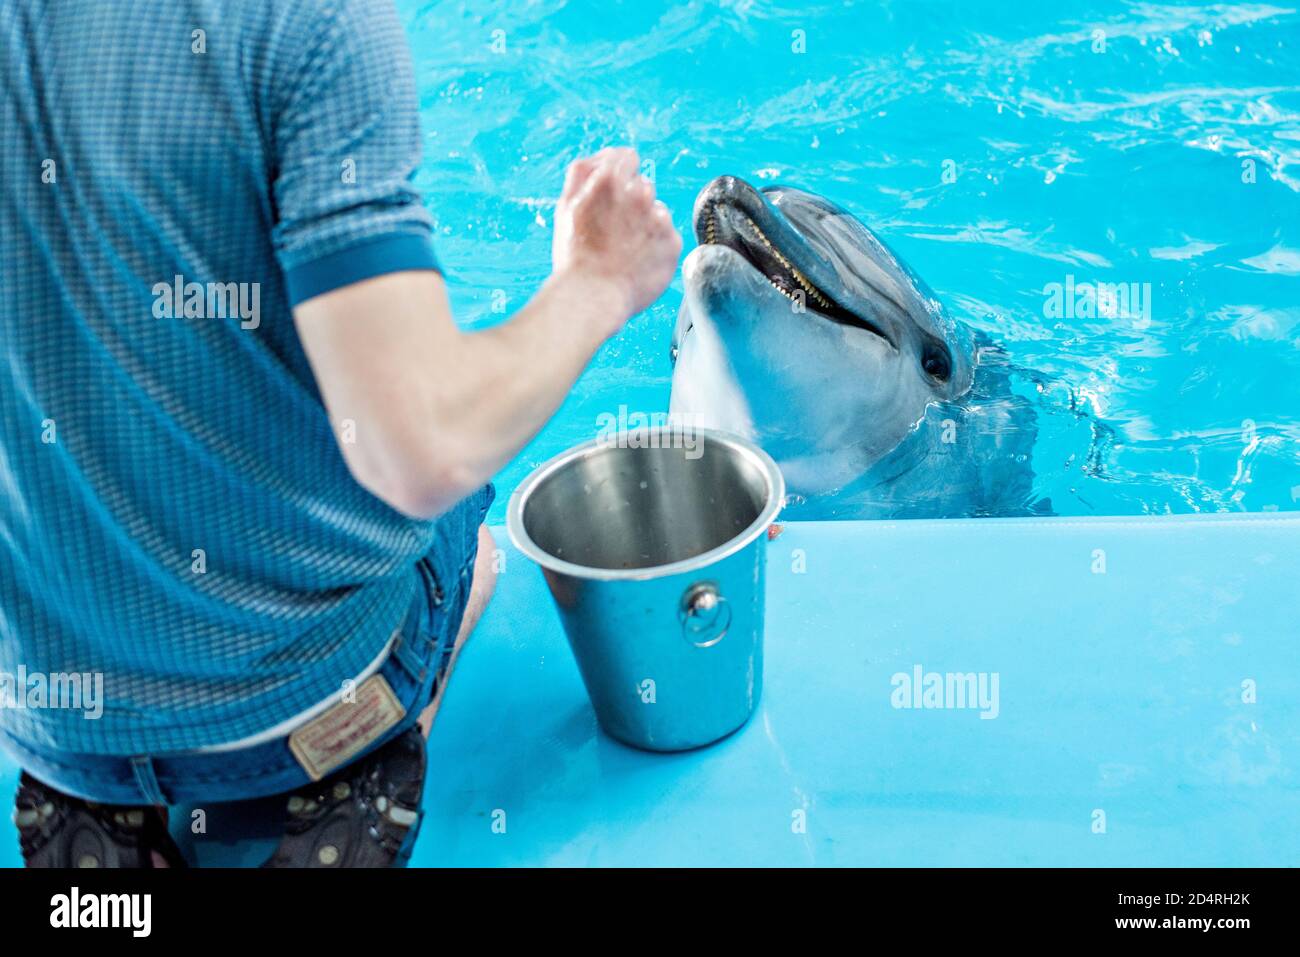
(438, 411)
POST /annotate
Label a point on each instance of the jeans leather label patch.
(328, 741)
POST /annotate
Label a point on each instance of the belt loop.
(410, 644)
(405, 656)
(432, 585)
(146, 779)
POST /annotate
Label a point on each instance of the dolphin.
(801, 330)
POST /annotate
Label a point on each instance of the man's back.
(175, 513)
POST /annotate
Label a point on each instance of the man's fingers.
(642, 191)
(605, 154)
(577, 172)
(627, 165)
(581, 170)
(614, 173)
(619, 163)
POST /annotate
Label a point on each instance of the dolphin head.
(801, 330)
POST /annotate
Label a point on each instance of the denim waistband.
(415, 665)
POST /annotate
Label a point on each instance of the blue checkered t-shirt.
(175, 514)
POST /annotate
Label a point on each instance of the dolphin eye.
(936, 363)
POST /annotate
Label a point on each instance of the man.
(244, 448)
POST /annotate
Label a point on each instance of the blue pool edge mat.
(1136, 701)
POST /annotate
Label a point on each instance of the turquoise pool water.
(999, 148)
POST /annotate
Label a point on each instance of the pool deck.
(1147, 713)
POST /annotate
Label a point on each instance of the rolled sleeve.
(346, 146)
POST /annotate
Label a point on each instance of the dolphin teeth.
(710, 238)
(799, 277)
(773, 284)
(710, 224)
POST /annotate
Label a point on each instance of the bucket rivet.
(705, 615)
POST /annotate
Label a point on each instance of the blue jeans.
(414, 670)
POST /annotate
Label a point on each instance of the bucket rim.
(523, 541)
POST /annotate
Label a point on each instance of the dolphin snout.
(727, 190)
(724, 187)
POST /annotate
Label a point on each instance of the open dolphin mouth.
(729, 212)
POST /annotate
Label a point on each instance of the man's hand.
(611, 231)
(438, 411)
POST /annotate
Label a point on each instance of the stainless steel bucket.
(656, 557)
